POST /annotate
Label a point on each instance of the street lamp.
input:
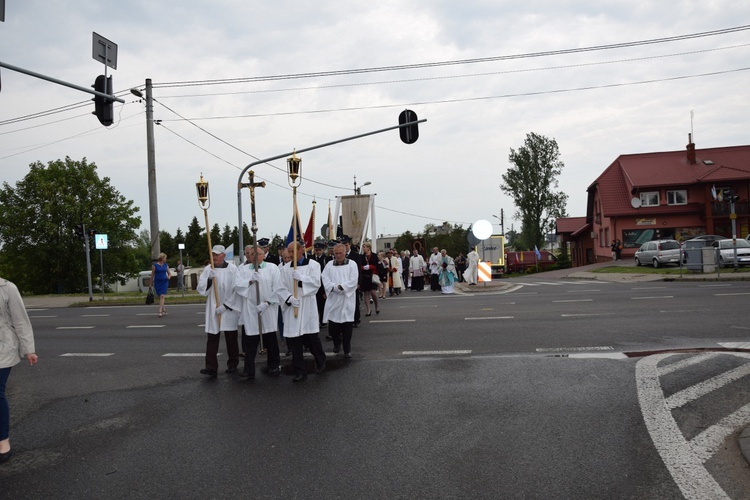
(358, 190)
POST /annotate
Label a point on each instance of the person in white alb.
(340, 278)
(259, 288)
(470, 275)
(221, 316)
(434, 264)
(301, 323)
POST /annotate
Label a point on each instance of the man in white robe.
(301, 328)
(221, 316)
(259, 287)
(340, 278)
(470, 275)
(417, 268)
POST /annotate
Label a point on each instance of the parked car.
(726, 252)
(708, 239)
(659, 253)
(519, 262)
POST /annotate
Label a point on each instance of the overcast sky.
(597, 104)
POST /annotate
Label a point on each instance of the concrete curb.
(744, 442)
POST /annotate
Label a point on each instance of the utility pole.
(153, 206)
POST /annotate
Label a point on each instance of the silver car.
(726, 252)
(658, 253)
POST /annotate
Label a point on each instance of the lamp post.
(294, 169)
(204, 201)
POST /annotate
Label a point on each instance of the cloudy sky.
(228, 92)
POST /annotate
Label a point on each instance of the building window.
(677, 197)
(650, 199)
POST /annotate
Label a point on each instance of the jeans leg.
(4, 407)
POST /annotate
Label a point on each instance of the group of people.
(616, 248)
(262, 297)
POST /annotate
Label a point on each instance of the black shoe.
(247, 375)
(270, 371)
(336, 349)
(347, 355)
(206, 371)
(231, 369)
(300, 378)
(4, 457)
(288, 353)
(320, 369)
(328, 337)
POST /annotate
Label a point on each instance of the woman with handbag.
(369, 278)
(160, 275)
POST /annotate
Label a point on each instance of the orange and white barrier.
(484, 272)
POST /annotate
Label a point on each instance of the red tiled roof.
(570, 224)
(631, 173)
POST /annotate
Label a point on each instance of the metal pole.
(101, 263)
(153, 206)
(182, 279)
(266, 160)
(88, 261)
(733, 216)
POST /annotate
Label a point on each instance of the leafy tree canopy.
(530, 182)
(41, 252)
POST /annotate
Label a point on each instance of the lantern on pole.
(294, 169)
(204, 201)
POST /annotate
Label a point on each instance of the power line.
(528, 55)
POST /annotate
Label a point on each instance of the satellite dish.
(635, 203)
(482, 229)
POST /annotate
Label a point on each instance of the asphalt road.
(524, 394)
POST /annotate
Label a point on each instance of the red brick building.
(666, 195)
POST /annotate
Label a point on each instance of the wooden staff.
(294, 253)
(252, 185)
(204, 202)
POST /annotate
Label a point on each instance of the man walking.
(259, 287)
(300, 313)
(340, 278)
(434, 265)
(221, 316)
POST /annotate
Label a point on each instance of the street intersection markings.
(684, 458)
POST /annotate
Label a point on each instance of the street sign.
(100, 241)
(104, 51)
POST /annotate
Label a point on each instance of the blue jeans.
(4, 408)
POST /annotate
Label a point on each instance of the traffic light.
(730, 196)
(79, 230)
(92, 232)
(103, 106)
(410, 133)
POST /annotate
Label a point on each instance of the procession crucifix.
(256, 265)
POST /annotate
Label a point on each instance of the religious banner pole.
(204, 201)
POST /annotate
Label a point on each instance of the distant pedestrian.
(160, 275)
(180, 276)
(613, 247)
(470, 275)
(460, 262)
(618, 249)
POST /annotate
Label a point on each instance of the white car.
(726, 252)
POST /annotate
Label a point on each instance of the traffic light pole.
(60, 82)
(240, 185)
(153, 205)
(88, 261)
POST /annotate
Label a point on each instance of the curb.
(744, 443)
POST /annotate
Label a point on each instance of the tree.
(38, 218)
(195, 244)
(530, 183)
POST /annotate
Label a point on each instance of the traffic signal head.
(79, 230)
(410, 133)
(103, 106)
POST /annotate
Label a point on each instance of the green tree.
(195, 244)
(530, 182)
(37, 222)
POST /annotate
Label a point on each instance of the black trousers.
(250, 345)
(341, 331)
(321, 303)
(212, 350)
(297, 345)
(434, 283)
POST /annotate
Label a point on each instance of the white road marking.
(392, 321)
(184, 355)
(95, 315)
(574, 349)
(145, 326)
(680, 457)
(735, 345)
(681, 398)
(712, 439)
(581, 291)
(584, 315)
(488, 317)
(574, 300)
(35, 317)
(684, 363)
(722, 285)
(740, 327)
(652, 298)
(649, 288)
(432, 353)
(89, 354)
(730, 294)
(74, 327)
